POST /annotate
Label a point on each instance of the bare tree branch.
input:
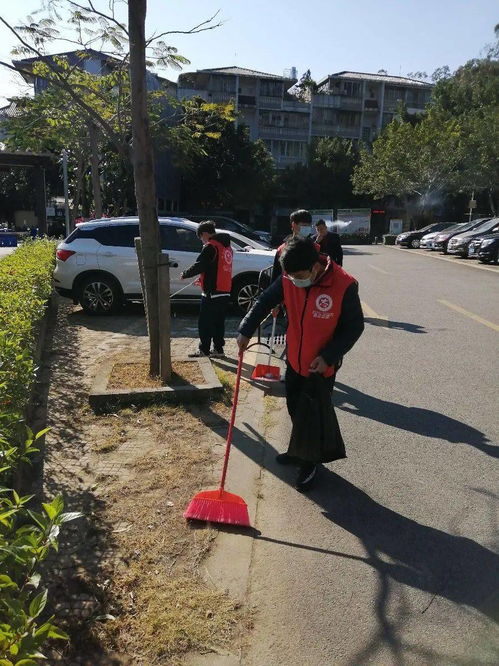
(192, 31)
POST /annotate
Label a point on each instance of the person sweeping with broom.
(325, 320)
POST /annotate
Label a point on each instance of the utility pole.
(66, 194)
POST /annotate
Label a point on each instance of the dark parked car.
(459, 244)
(413, 238)
(485, 248)
(441, 241)
(228, 224)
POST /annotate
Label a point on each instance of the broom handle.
(232, 420)
(272, 339)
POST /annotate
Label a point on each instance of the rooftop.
(234, 70)
(365, 76)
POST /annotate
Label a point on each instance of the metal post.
(471, 207)
(165, 361)
(66, 193)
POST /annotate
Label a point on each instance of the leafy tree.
(306, 87)
(407, 160)
(223, 167)
(324, 182)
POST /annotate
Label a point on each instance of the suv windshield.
(487, 226)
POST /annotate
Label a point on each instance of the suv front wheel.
(245, 292)
(99, 295)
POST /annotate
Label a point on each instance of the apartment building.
(263, 104)
(352, 105)
(356, 105)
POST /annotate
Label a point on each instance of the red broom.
(219, 506)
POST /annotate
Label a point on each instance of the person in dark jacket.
(301, 227)
(214, 266)
(329, 242)
(325, 320)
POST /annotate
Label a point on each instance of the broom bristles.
(213, 506)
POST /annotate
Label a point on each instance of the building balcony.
(189, 93)
(247, 100)
(326, 101)
(371, 105)
(266, 102)
(222, 97)
(295, 105)
(296, 133)
(335, 130)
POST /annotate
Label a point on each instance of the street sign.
(472, 203)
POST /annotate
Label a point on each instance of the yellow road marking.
(471, 315)
(471, 263)
(380, 270)
(369, 312)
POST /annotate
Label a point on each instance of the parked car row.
(96, 265)
(478, 239)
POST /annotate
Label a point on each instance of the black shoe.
(286, 459)
(198, 354)
(217, 353)
(306, 477)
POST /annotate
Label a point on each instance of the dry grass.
(136, 375)
(162, 605)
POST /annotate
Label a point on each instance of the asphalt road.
(392, 559)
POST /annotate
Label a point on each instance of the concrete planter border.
(103, 400)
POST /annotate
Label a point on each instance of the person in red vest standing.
(325, 320)
(214, 266)
(301, 227)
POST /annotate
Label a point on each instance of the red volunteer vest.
(313, 315)
(224, 267)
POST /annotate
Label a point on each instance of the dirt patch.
(128, 583)
(136, 375)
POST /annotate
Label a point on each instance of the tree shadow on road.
(421, 421)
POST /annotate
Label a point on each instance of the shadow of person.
(453, 567)
(396, 325)
(421, 421)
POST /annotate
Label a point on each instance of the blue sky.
(326, 36)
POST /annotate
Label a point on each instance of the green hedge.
(26, 536)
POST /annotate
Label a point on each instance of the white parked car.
(97, 267)
(427, 241)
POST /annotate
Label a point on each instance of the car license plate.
(471, 250)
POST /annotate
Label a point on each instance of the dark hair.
(301, 217)
(320, 223)
(206, 227)
(298, 255)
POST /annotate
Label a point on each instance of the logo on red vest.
(323, 303)
(228, 255)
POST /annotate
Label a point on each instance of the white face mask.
(302, 283)
(304, 232)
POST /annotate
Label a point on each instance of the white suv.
(96, 265)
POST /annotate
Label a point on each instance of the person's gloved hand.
(318, 365)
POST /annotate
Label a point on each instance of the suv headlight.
(489, 241)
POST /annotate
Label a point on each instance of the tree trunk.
(143, 170)
(94, 165)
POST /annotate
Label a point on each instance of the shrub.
(355, 239)
(26, 536)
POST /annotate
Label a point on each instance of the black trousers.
(211, 323)
(294, 385)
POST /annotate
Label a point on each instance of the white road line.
(380, 270)
(471, 315)
(469, 263)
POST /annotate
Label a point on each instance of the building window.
(366, 134)
(387, 118)
(296, 149)
(352, 89)
(394, 94)
(348, 119)
(271, 88)
(223, 84)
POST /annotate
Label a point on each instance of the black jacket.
(331, 246)
(348, 330)
(207, 263)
